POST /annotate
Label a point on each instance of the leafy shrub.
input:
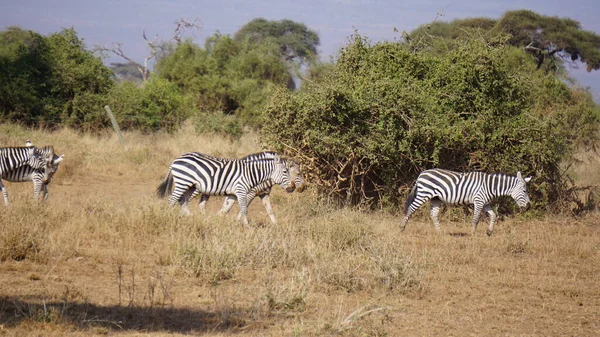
(49, 80)
(226, 76)
(155, 105)
(385, 113)
(219, 123)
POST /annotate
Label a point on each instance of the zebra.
(262, 190)
(455, 188)
(40, 177)
(13, 158)
(195, 173)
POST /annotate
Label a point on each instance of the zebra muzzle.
(291, 188)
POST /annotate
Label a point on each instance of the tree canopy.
(548, 38)
(295, 40)
(45, 78)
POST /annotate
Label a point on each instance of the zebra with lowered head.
(40, 177)
(472, 188)
(13, 158)
(263, 190)
(195, 173)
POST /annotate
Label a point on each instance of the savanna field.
(104, 256)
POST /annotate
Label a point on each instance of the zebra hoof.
(488, 233)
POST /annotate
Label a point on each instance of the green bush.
(384, 113)
(226, 76)
(217, 122)
(154, 105)
(46, 81)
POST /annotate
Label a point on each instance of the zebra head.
(296, 176)
(40, 158)
(519, 191)
(47, 152)
(54, 166)
(281, 174)
(294, 168)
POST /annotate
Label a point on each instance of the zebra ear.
(519, 175)
(59, 159)
(528, 179)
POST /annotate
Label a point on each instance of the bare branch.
(182, 26)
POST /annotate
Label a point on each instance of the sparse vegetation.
(103, 256)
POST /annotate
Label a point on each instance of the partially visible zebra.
(13, 158)
(40, 177)
(195, 173)
(262, 190)
(454, 188)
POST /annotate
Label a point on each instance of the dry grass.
(103, 256)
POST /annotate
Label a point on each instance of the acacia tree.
(546, 37)
(549, 39)
(297, 44)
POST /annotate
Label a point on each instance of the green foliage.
(385, 113)
(294, 40)
(226, 76)
(25, 69)
(49, 80)
(552, 35)
(155, 105)
(544, 37)
(217, 122)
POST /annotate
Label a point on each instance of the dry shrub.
(23, 232)
(290, 294)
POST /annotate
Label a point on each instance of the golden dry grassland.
(103, 256)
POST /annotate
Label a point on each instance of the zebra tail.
(410, 198)
(166, 186)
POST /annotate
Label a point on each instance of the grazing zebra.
(262, 190)
(195, 173)
(13, 158)
(454, 188)
(40, 177)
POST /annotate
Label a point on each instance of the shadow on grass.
(15, 311)
(459, 234)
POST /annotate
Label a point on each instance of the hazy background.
(108, 21)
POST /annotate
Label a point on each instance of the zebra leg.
(203, 200)
(244, 201)
(490, 212)
(404, 222)
(37, 187)
(227, 204)
(436, 204)
(476, 215)
(4, 193)
(45, 191)
(181, 194)
(267, 203)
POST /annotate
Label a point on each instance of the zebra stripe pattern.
(195, 173)
(455, 188)
(13, 158)
(263, 190)
(40, 177)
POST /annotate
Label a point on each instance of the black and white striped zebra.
(262, 190)
(14, 158)
(195, 173)
(455, 188)
(40, 177)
